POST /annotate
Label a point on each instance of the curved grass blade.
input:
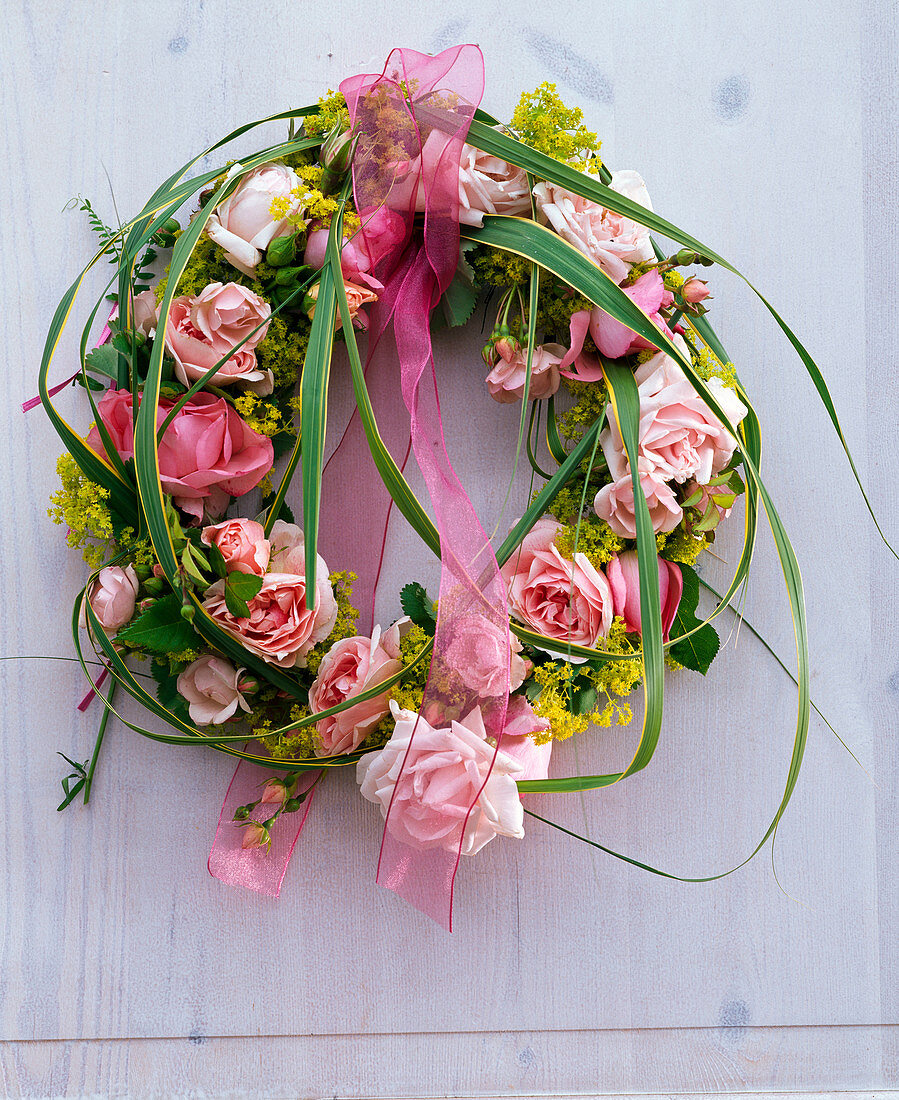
(515, 152)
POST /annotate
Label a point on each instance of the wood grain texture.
(126, 971)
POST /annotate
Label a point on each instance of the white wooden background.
(769, 130)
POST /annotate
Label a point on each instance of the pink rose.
(242, 543)
(210, 685)
(195, 353)
(354, 260)
(565, 600)
(112, 596)
(477, 650)
(615, 339)
(680, 438)
(351, 666)
(207, 455)
(623, 572)
(488, 185)
(615, 503)
(444, 774)
(356, 296)
(280, 628)
(144, 312)
(518, 739)
(243, 224)
(506, 381)
(227, 313)
(610, 240)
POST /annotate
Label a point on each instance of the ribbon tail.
(256, 868)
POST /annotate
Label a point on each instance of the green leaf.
(160, 628)
(416, 603)
(103, 360)
(698, 650)
(167, 689)
(239, 588)
(217, 561)
(461, 296)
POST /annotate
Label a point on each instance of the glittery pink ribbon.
(258, 869)
(420, 108)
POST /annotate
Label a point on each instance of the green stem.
(107, 710)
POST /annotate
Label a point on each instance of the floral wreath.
(396, 206)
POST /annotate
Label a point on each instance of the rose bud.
(275, 792)
(336, 156)
(255, 836)
(695, 291)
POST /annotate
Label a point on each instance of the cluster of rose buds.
(278, 792)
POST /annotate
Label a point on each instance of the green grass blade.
(314, 414)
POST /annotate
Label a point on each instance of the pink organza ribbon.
(419, 108)
(256, 868)
(412, 120)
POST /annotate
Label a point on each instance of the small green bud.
(292, 805)
(685, 257)
(241, 813)
(282, 251)
(188, 612)
(155, 585)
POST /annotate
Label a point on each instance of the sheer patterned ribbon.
(412, 120)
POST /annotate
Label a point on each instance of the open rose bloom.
(442, 773)
(280, 629)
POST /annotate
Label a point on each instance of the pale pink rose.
(623, 573)
(255, 835)
(144, 312)
(242, 543)
(112, 596)
(195, 353)
(680, 438)
(207, 455)
(351, 666)
(615, 503)
(280, 628)
(615, 339)
(478, 651)
(488, 185)
(354, 259)
(506, 381)
(227, 313)
(444, 774)
(565, 600)
(210, 686)
(243, 224)
(518, 740)
(610, 240)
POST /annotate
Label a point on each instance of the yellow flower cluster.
(565, 687)
(591, 400)
(707, 365)
(262, 416)
(681, 545)
(345, 624)
(81, 506)
(595, 539)
(496, 267)
(332, 111)
(544, 122)
(297, 744)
